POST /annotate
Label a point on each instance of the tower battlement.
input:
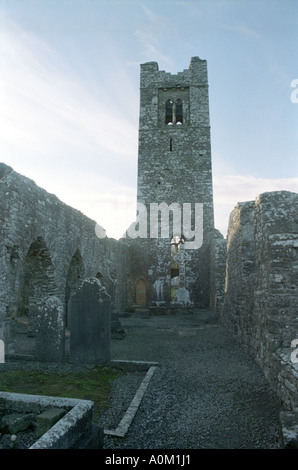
(195, 75)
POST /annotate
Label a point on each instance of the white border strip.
(126, 421)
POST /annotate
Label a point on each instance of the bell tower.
(174, 174)
(174, 160)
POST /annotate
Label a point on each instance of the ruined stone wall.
(151, 263)
(218, 256)
(261, 292)
(237, 312)
(46, 248)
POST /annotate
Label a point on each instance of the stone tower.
(174, 161)
(174, 174)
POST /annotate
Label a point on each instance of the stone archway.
(37, 280)
(36, 283)
(141, 292)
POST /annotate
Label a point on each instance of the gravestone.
(90, 323)
(50, 335)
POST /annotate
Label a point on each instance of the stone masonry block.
(47, 419)
(16, 422)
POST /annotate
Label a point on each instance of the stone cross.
(181, 257)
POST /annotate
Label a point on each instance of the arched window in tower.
(179, 112)
(169, 112)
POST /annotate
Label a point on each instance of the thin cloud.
(114, 210)
(150, 36)
(239, 188)
(44, 103)
(241, 29)
(231, 189)
(71, 136)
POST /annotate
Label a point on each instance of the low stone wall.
(74, 430)
(261, 289)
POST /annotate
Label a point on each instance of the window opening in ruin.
(36, 283)
(179, 112)
(141, 292)
(38, 277)
(175, 248)
(171, 145)
(174, 112)
(169, 112)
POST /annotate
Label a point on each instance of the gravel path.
(205, 394)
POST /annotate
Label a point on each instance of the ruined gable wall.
(150, 262)
(237, 310)
(260, 305)
(31, 217)
(218, 256)
(276, 294)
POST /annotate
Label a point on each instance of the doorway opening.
(141, 293)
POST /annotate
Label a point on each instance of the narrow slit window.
(179, 112)
(169, 112)
(171, 145)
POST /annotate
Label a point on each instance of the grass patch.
(94, 384)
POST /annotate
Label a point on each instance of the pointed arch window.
(169, 112)
(174, 112)
(179, 112)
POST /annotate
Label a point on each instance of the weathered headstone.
(90, 323)
(50, 337)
